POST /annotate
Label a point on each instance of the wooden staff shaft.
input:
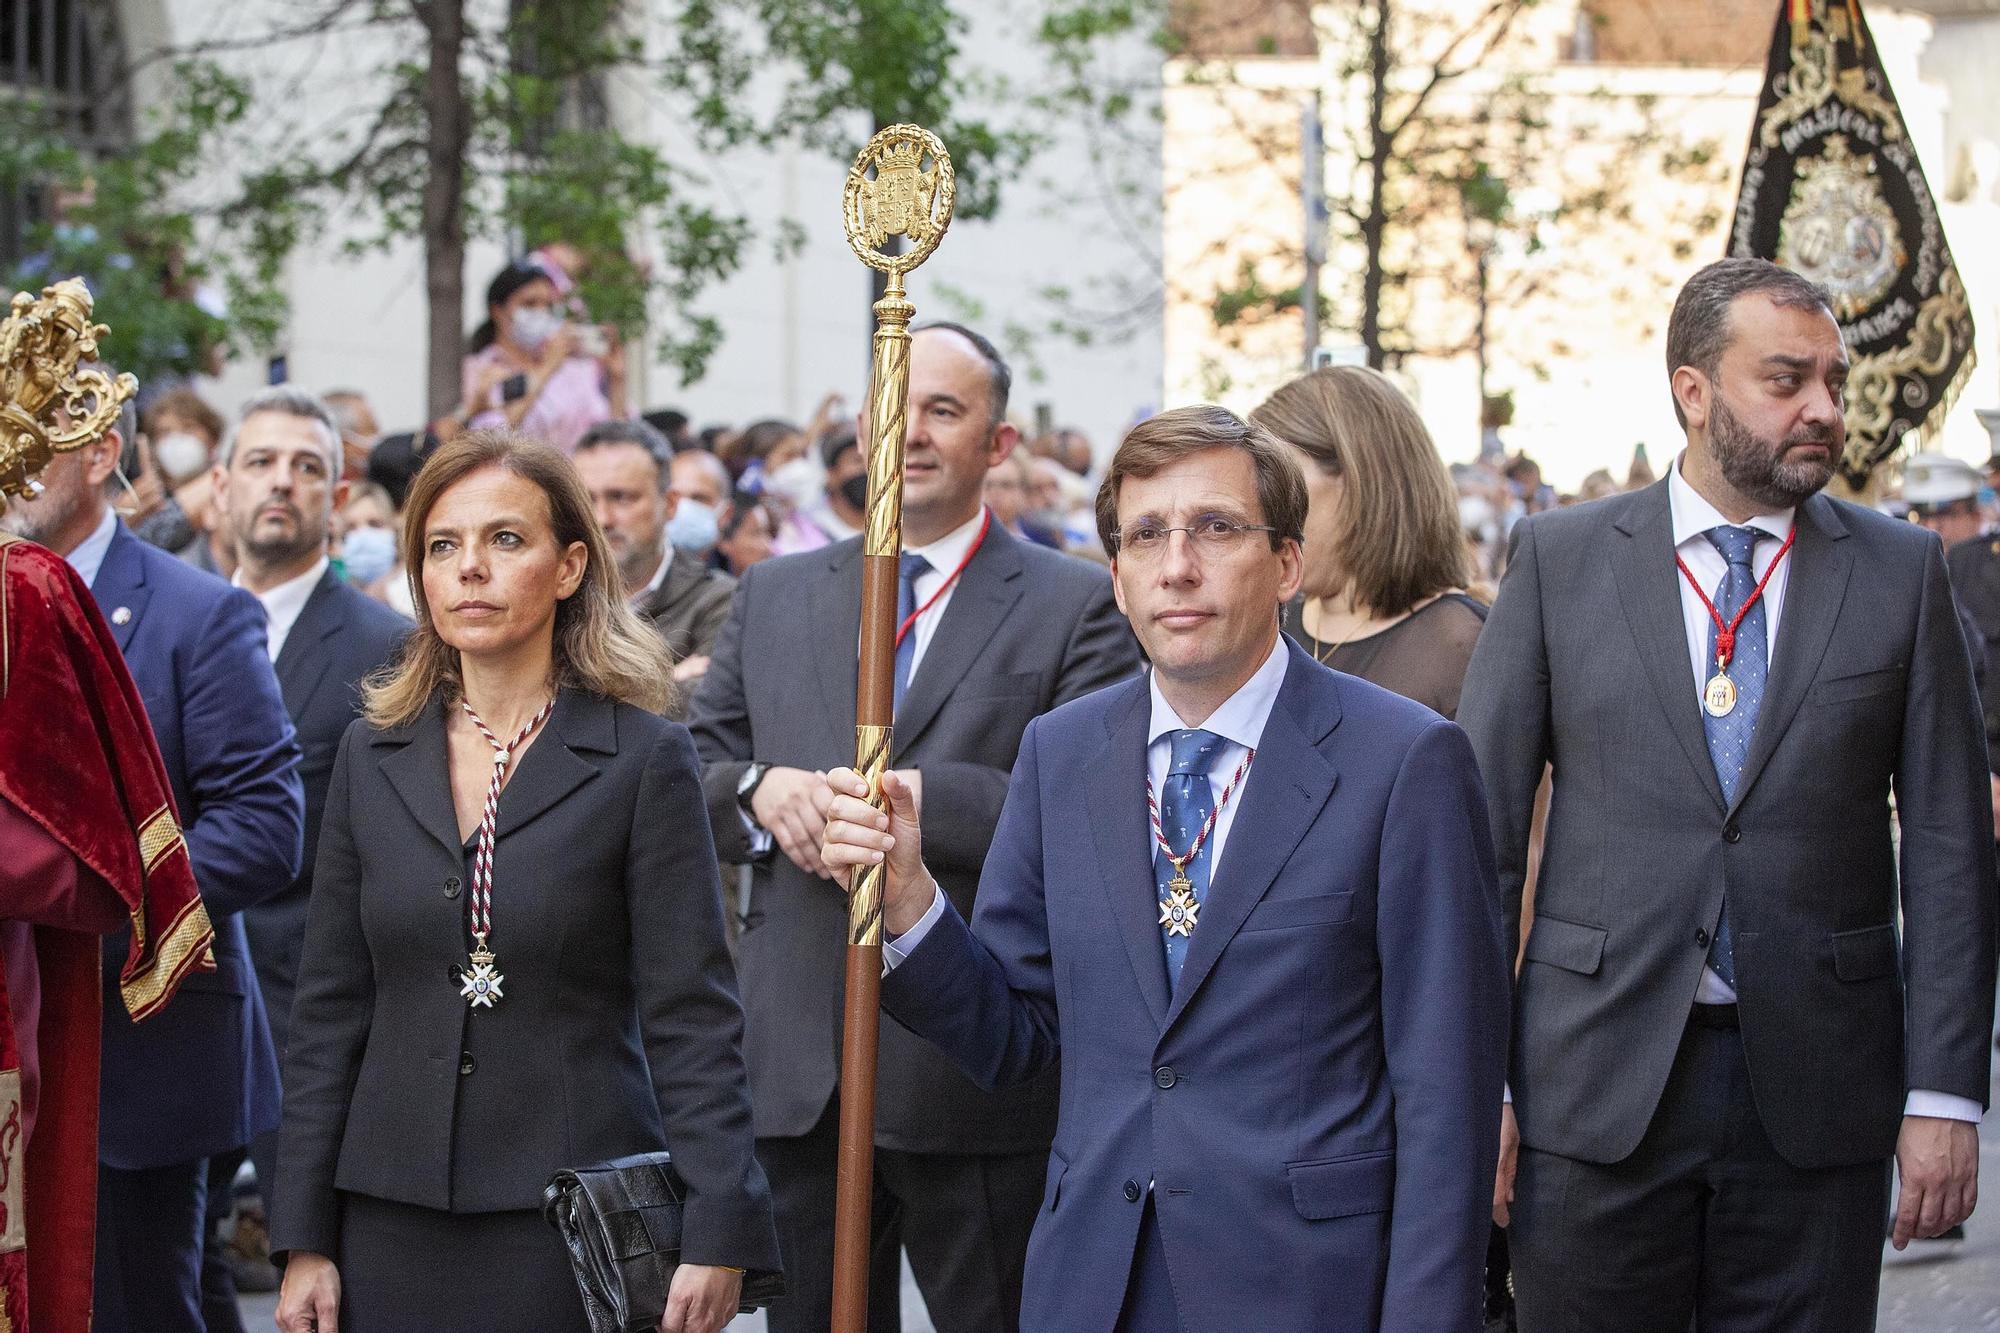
(874, 709)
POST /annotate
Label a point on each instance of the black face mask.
(855, 490)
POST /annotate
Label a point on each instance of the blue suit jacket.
(200, 1077)
(1316, 1103)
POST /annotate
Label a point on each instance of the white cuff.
(760, 837)
(1507, 1093)
(894, 951)
(1943, 1105)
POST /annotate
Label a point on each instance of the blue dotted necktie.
(1185, 803)
(911, 568)
(1729, 735)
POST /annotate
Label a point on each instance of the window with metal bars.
(63, 59)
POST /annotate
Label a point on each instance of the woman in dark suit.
(514, 957)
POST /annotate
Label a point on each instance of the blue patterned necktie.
(1185, 804)
(911, 568)
(1729, 735)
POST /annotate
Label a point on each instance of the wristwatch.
(746, 786)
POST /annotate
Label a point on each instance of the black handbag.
(621, 1221)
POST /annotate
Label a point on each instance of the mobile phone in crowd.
(514, 387)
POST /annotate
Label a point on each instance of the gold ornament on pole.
(901, 184)
(41, 343)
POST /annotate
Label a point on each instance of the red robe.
(89, 840)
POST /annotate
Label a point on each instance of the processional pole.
(909, 194)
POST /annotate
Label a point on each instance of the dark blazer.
(1316, 1102)
(1584, 664)
(200, 1077)
(1026, 629)
(619, 1031)
(340, 636)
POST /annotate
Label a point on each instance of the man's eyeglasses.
(1210, 536)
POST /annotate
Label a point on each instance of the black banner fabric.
(1832, 189)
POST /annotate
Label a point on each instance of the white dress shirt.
(1693, 516)
(1239, 721)
(88, 557)
(659, 576)
(283, 603)
(945, 555)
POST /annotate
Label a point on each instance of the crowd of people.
(1555, 937)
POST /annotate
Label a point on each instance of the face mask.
(534, 326)
(180, 455)
(798, 482)
(367, 554)
(855, 490)
(693, 527)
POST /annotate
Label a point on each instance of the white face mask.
(799, 482)
(367, 554)
(180, 455)
(534, 326)
(693, 527)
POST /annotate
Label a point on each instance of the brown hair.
(189, 407)
(1397, 533)
(601, 646)
(1161, 441)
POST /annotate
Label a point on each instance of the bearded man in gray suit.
(1721, 1036)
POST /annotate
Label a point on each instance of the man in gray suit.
(1720, 1035)
(996, 632)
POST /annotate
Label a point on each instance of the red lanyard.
(985, 522)
(1725, 635)
(1159, 834)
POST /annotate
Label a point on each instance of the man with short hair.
(842, 511)
(277, 485)
(1735, 1006)
(199, 1080)
(1246, 905)
(625, 466)
(996, 631)
(703, 493)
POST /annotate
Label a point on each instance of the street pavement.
(1932, 1287)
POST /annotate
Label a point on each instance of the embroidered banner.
(1832, 189)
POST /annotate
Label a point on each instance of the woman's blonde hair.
(601, 646)
(1396, 536)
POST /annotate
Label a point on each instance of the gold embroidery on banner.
(1872, 382)
(183, 946)
(13, 1157)
(158, 836)
(6, 1323)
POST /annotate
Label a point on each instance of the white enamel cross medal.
(1178, 910)
(480, 983)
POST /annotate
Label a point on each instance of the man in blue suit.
(200, 1078)
(1248, 904)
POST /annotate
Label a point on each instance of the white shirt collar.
(947, 551)
(1242, 716)
(283, 603)
(88, 557)
(659, 575)
(1694, 515)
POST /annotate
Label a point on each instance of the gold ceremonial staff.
(910, 194)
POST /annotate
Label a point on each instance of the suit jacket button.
(1164, 1076)
(451, 886)
(1132, 1191)
(1731, 833)
(1701, 936)
(465, 1062)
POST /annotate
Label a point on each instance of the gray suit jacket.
(1584, 665)
(1026, 629)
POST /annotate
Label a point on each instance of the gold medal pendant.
(480, 983)
(1178, 910)
(1719, 695)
